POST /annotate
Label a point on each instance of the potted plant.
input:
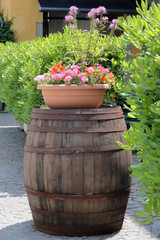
(82, 84)
(72, 162)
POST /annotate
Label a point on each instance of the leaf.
(141, 214)
(145, 139)
(147, 208)
(157, 120)
(124, 146)
(132, 115)
(148, 221)
(155, 206)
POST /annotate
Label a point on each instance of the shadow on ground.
(26, 231)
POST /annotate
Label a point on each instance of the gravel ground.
(15, 216)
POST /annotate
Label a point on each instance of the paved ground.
(15, 216)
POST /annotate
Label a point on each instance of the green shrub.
(6, 33)
(143, 31)
(19, 64)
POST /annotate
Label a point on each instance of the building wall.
(27, 20)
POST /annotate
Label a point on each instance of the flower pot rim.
(72, 86)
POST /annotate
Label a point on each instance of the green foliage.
(113, 57)
(143, 31)
(6, 33)
(95, 47)
(21, 63)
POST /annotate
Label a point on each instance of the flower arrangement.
(82, 72)
(76, 74)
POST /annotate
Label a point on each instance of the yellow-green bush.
(143, 31)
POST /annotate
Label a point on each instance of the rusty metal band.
(76, 130)
(116, 109)
(74, 117)
(93, 149)
(78, 215)
(81, 230)
(77, 197)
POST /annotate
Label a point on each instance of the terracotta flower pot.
(73, 96)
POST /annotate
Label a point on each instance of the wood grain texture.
(76, 176)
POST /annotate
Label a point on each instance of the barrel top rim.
(113, 109)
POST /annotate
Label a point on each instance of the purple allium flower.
(93, 10)
(115, 22)
(105, 19)
(84, 63)
(96, 21)
(111, 26)
(100, 10)
(92, 13)
(68, 18)
(73, 10)
(85, 30)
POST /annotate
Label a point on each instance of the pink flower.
(40, 78)
(100, 67)
(105, 70)
(84, 79)
(68, 18)
(111, 26)
(115, 22)
(74, 73)
(92, 13)
(90, 69)
(57, 76)
(68, 71)
(73, 10)
(105, 19)
(81, 74)
(96, 21)
(76, 67)
(67, 78)
(100, 10)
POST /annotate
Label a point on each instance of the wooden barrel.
(76, 175)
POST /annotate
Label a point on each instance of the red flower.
(104, 79)
(111, 76)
